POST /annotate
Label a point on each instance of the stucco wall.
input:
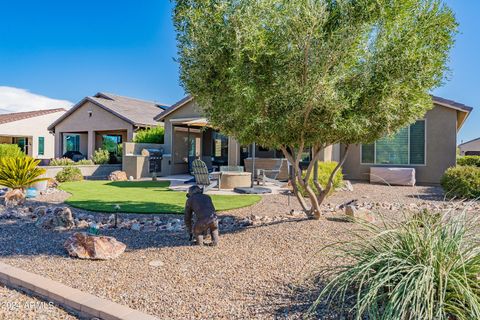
(441, 142)
(81, 121)
(94, 171)
(470, 146)
(34, 128)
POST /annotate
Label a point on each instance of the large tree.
(297, 74)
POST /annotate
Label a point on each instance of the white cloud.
(21, 100)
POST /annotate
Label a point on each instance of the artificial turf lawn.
(141, 197)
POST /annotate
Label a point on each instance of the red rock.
(118, 176)
(14, 198)
(84, 246)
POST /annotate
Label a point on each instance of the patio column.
(233, 152)
(91, 144)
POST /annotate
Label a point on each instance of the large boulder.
(118, 176)
(15, 197)
(84, 246)
(60, 218)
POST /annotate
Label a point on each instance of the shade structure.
(191, 122)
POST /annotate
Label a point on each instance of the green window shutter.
(41, 146)
(368, 153)
(417, 142)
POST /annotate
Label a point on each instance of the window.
(41, 146)
(406, 147)
(219, 148)
(71, 142)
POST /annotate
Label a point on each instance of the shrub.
(468, 161)
(62, 162)
(462, 182)
(68, 174)
(101, 156)
(84, 162)
(11, 151)
(20, 173)
(152, 135)
(324, 171)
(426, 267)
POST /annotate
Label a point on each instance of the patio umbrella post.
(253, 163)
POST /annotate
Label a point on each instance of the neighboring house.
(470, 148)
(103, 120)
(29, 131)
(429, 145)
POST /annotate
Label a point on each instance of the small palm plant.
(19, 173)
(427, 267)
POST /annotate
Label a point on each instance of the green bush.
(69, 174)
(101, 156)
(152, 135)
(20, 172)
(84, 162)
(462, 182)
(324, 171)
(468, 161)
(62, 162)
(424, 267)
(11, 151)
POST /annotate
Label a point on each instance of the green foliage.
(69, 174)
(11, 151)
(462, 182)
(152, 135)
(468, 161)
(84, 162)
(62, 162)
(424, 268)
(101, 156)
(325, 169)
(20, 172)
(319, 72)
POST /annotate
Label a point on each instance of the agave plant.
(20, 173)
(427, 267)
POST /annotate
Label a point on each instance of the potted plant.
(17, 174)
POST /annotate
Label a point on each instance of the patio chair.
(202, 176)
(270, 175)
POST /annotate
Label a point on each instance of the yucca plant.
(20, 173)
(427, 267)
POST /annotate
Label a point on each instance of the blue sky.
(69, 49)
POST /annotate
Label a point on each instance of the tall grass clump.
(427, 267)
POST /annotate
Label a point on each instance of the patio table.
(231, 179)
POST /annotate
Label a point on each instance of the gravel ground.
(257, 272)
(16, 305)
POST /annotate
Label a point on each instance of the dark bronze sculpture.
(205, 217)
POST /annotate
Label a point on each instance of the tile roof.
(174, 107)
(134, 111)
(11, 117)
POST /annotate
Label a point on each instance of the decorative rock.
(85, 246)
(14, 198)
(59, 219)
(130, 178)
(348, 185)
(136, 227)
(362, 213)
(118, 176)
(156, 263)
(40, 211)
(82, 224)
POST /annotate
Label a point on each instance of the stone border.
(84, 304)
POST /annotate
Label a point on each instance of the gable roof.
(137, 112)
(11, 117)
(470, 141)
(174, 107)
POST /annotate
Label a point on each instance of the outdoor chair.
(270, 175)
(231, 169)
(203, 177)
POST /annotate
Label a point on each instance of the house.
(470, 148)
(29, 131)
(104, 120)
(428, 145)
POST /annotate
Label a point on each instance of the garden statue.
(201, 206)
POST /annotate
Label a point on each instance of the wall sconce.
(90, 112)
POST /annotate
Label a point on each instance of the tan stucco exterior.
(472, 146)
(32, 128)
(441, 141)
(90, 121)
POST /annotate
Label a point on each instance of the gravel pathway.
(257, 272)
(16, 305)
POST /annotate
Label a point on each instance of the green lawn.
(140, 197)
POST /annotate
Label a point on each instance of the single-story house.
(103, 120)
(29, 131)
(428, 145)
(470, 148)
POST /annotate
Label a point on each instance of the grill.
(155, 157)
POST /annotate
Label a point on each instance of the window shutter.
(41, 146)
(417, 143)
